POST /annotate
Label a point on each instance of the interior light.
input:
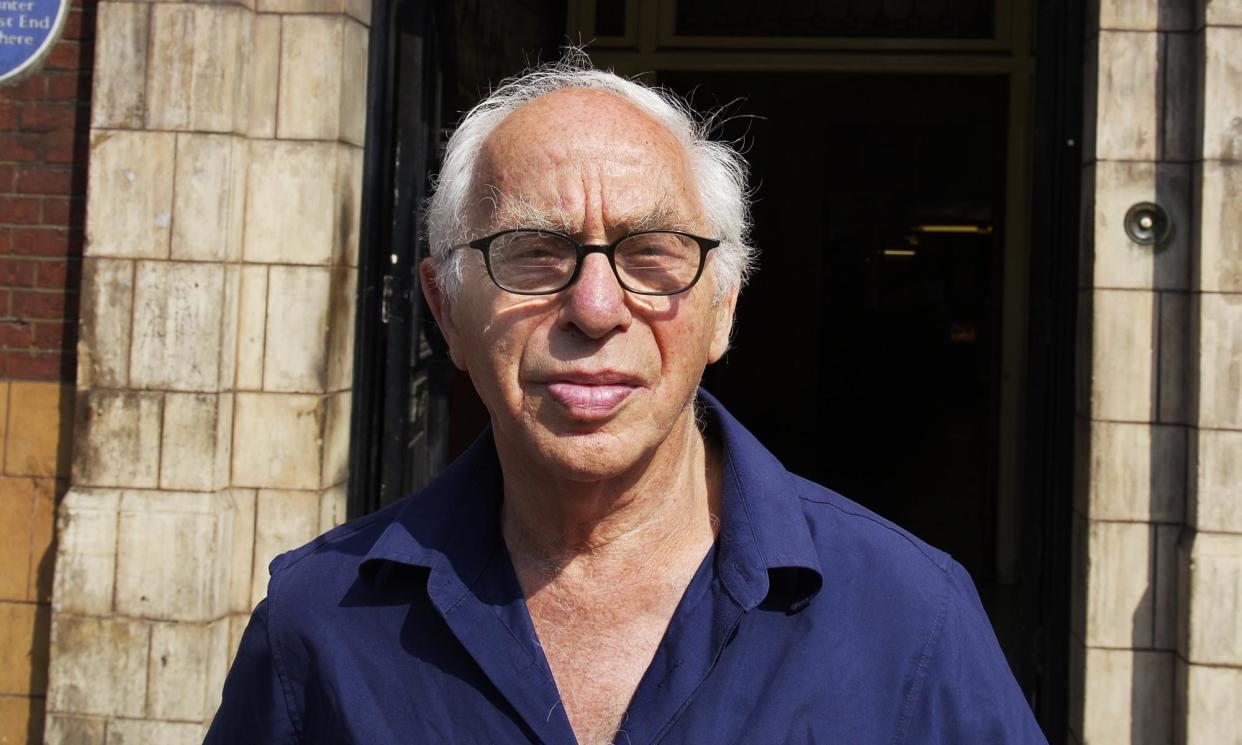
(898, 252)
(974, 229)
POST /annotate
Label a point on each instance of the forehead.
(582, 155)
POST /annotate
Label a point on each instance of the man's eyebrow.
(515, 212)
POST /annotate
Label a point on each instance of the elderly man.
(616, 560)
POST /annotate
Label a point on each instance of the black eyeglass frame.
(484, 244)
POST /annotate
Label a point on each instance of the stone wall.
(215, 354)
(44, 120)
(1158, 562)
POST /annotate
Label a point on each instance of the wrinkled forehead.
(578, 155)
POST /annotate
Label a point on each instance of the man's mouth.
(593, 395)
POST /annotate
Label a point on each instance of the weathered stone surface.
(106, 315)
(177, 671)
(217, 666)
(336, 438)
(1220, 227)
(1212, 696)
(17, 500)
(1127, 697)
(264, 70)
(1164, 628)
(1217, 481)
(223, 441)
(178, 319)
(207, 216)
(65, 729)
(241, 560)
(1180, 67)
(277, 440)
(1173, 406)
(1138, 472)
(310, 103)
(23, 648)
(1218, 318)
(117, 438)
(295, 355)
(86, 551)
(1221, 130)
(1120, 262)
(121, 32)
(195, 78)
(145, 732)
(1122, 358)
(183, 576)
(251, 327)
(99, 666)
(291, 202)
(284, 519)
(1214, 597)
(349, 205)
(1119, 599)
(333, 503)
(43, 411)
(341, 308)
(353, 99)
(189, 441)
(300, 6)
(130, 194)
(1126, 126)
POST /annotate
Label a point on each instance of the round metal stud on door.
(1147, 224)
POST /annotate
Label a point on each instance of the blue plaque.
(28, 29)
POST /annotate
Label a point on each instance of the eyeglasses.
(541, 262)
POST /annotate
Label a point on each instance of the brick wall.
(44, 122)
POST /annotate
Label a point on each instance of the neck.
(666, 508)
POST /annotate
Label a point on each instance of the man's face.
(587, 383)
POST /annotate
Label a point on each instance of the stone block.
(117, 438)
(336, 438)
(177, 671)
(1127, 118)
(1128, 15)
(21, 720)
(4, 414)
(1178, 106)
(1217, 481)
(1220, 227)
(242, 558)
(121, 33)
(276, 440)
(42, 539)
(99, 666)
(264, 73)
(251, 327)
(1138, 472)
(284, 520)
(1221, 96)
(1128, 697)
(66, 729)
(359, 9)
(1219, 12)
(349, 205)
(195, 79)
(333, 504)
(1212, 696)
(1218, 318)
(1173, 404)
(310, 99)
(1119, 598)
(23, 648)
(1123, 357)
(295, 357)
(229, 327)
(17, 501)
(189, 440)
(299, 6)
(43, 415)
(86, 551)
(1165, 608)
(353, 99)
(207, 214)
(344, 301)
(178, 322)
(223, 463)
(129, 194)
(290, 202)
(1120, 262)
(106, 315)
(1214, 600)
(184, 575)
(146, 732)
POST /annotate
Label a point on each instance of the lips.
(592, 395)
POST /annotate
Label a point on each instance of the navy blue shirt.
(811, 620)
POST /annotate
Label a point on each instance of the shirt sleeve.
(253, 707)
(968, 693)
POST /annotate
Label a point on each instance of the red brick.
(56, 180)
(8, 115)
(54, 275)
(41, 305)
(6, 178)
(47, 118)
(63, 211)
(30, 89)
(19, 210)
(63, 147)
(17, 273)
(80, 23)
(70, 55)
(38, 366)
(19, 147)
(69, 87)
(16, 334)
(6, 240)
(45, 242)
(55, 336)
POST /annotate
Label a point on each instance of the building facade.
(182, 270)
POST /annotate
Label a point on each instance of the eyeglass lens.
(534, 261)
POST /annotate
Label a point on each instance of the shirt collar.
(765, 555)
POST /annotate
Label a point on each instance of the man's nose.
(595, 304)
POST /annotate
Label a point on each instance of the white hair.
(719, 171)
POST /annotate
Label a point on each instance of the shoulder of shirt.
(853, 521)
(350, 540)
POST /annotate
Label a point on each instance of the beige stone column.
(1129, 501)
(1209, 663)
(216, 346)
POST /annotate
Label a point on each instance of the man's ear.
(441, 309)
(724, 308)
